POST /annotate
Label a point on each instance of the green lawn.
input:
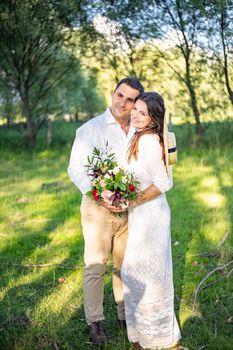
(40, 224)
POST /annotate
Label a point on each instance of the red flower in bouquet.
(95, 196)
(132, 188)
(109, 182)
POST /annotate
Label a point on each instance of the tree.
(174, 22)
(76, 95)
(185, 20)
(118, 49)
(7, 100)
(31, 38)
(109, 39)
(219, 16)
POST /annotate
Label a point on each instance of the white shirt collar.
(109, 118)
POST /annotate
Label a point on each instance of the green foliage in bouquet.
(110, 183)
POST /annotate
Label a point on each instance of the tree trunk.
(199, 129)
(31, 131)
(186, 52)
(230, 92)
(9, 108)
(225, 67)
(9, 120)
(76, 116)
(49, 133)
(192, 93)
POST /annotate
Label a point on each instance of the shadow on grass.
(20, 302)
(209, 328)
(20, 247)
(73, 334)
(17, 326)
(19, 329)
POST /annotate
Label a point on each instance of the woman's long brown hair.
(156, 110)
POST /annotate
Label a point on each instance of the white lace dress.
(147, 267)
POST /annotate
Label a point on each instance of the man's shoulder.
(94, 123)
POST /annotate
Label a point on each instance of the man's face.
(123, 100)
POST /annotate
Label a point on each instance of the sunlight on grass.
(209, 193)
(227, 179)
(40, 224)
(216, 230)
(45, 154)
(61, 240)
(188, 169)
(63, 295)
(212, 200)
(31, 276)
(209, 182)
(202, 204)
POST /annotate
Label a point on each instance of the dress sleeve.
(150, 152)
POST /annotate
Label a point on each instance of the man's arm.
(77, 169)
(78, 160)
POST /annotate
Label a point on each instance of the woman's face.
(139, 115)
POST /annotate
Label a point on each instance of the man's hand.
(112, 208)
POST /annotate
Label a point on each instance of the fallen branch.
(230, 272)
(215, 328)
(209, 284)
(211, 254)
(224, 238)
(219, 268)
(42, 265)
(55, 346)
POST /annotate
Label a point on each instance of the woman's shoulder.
(149, 140)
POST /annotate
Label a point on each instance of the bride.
(147, 266)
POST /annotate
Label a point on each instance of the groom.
(103, 232)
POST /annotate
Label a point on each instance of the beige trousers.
(104, 234)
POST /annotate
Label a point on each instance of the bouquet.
(110, 183)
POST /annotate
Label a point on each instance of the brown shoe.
(97, 333)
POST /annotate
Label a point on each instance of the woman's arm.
(150, 152)
(149, 193)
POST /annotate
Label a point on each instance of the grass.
(40, 224)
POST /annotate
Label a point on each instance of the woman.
(147, 266)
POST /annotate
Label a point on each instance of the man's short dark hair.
(132, 82)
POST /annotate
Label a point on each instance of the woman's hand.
(140, 198)
(133, 203)
(148, 194)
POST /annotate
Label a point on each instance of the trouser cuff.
(94, 319)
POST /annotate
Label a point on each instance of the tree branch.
(219, 268)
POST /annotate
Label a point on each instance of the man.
(103, 232)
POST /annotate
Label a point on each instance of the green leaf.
(122, 186)
(118, 177)
(89, 194)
